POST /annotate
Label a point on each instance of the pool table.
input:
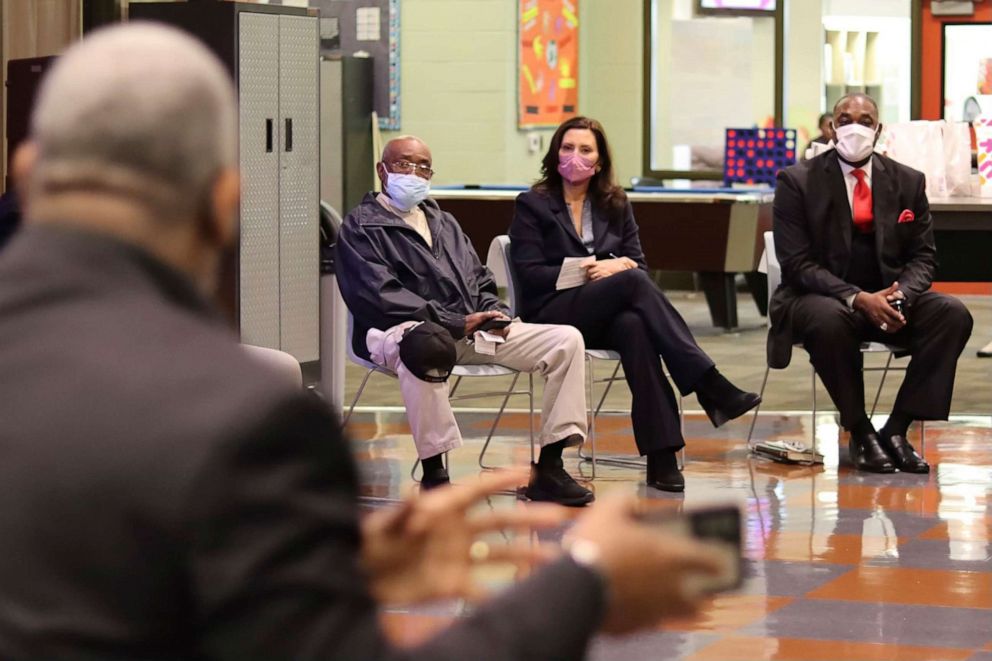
(716, 233)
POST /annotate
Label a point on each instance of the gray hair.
(140, 110)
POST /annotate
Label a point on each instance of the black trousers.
(626, 313)
(937, 328)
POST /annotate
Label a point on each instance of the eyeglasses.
(406, 167)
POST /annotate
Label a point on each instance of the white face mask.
(406, 190)
(855, 141)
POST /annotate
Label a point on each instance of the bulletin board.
(548, 62)
(349, 27)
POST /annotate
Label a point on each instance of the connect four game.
(754, 156)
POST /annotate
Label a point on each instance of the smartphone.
(718, 527)
(493, 324)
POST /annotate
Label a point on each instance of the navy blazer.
(542, 236)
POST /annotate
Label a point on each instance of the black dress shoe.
(867, 454)
(903, 455)
(723, 409)
(663, 472)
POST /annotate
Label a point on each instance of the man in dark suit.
(854, 235)
(165, 496)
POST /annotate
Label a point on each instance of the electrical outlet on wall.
(534, 142)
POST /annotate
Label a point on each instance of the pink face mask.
(576, 168)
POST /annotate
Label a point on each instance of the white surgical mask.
(406, 190)
(855, 141)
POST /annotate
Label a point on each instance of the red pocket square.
(906, 216)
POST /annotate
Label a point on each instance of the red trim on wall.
(931, 54)
(963, 288)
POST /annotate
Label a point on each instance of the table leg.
(721, 297)
(758, 284)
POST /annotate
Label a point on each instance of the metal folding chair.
(500, 263)
(593, 355)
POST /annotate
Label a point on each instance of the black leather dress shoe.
(867, 454)
(904, 456)
(663, 472)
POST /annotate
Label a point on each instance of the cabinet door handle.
(289, 134)
(268, 136)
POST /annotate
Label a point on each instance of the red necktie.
(861, 204)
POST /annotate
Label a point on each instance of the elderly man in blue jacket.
(407, 270)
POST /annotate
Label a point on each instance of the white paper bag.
(957, 158)
(920, 145)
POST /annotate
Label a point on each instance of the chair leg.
(358, 394)
(681, 456)
(813, 372)
(592, 417)
(881, 384)
(754, 418)
(594, 413)
(530, 420)
(499, 415)
(923, 438)
(606, 390)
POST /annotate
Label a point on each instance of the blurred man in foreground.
(166, 497)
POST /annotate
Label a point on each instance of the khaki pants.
(555, 352)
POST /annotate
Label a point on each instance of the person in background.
(825, 124)
(406, 265)
(166, 496)
(854, 236)
(577, 209)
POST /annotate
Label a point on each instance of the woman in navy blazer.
(576, 209)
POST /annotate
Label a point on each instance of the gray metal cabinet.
(273, 54)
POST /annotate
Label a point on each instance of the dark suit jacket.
(165, 498)
(542, 236)
(388, 274)
(813, 230)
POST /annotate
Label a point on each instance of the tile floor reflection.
(839, 564)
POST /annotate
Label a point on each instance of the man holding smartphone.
(423, 301)
(854, 236)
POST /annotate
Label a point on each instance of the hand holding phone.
(718, 527)
(650, 573)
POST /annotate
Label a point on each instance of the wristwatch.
(587, 553)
